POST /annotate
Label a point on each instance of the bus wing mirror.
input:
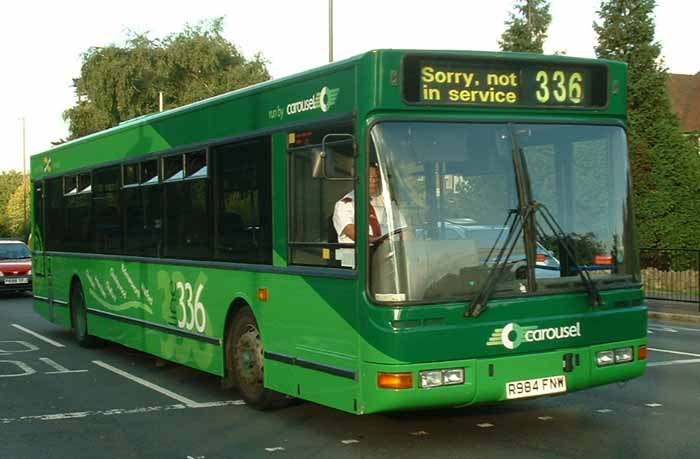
(336, 160)
(318, 168)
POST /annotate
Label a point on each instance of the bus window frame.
(374, 120)
(289, 152)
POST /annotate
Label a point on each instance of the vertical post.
(697, 269)
(24, 173)
(330, 30)
(160, 101)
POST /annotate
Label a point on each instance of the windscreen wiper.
(478, 304)
(593, 293)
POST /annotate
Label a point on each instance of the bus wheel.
(78, 314)
(246, 352)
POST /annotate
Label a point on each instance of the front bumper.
(485, 379)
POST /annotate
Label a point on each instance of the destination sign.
(482, 82)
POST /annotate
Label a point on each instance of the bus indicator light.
(395, 380)
(642, 353)
(262, 294)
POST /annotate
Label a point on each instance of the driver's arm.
(349, 231)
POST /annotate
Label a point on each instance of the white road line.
(673, 362)
(36, 335)
(189, 403)
(664, 329)
(678, 328)
(667, 351)
(113, 412)
(84, 414)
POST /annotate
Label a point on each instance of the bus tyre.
(78, 314)
(244, 354)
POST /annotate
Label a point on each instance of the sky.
(41, 42)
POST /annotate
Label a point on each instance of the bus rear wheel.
(244, 354)
(78, 314)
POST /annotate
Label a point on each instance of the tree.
(666, 181)
(119, 83)
(9, 182)
(17, 216)
(527, 27)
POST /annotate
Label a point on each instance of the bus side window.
(243, 196)
(315, 188)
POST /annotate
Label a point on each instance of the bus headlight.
(430, 378)
(605, 358)
(447, 377)
(623, 355)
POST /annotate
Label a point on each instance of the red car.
(15, 266)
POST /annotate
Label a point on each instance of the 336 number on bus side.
(192, 314)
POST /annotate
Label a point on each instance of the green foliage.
(527, 27)
(665, 167)
(16, 212)
(9, 182)
(119, 83)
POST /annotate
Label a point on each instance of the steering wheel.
(381, 239)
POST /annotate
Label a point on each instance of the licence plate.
(536, 387)
(19, 280)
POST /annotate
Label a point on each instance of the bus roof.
(41, 162)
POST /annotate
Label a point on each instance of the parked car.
(15, 266)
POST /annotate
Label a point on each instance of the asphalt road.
(58, 400)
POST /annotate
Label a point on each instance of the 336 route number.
(556, 86)
(192, 313)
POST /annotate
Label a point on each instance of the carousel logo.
(513, 335)
(324, 100)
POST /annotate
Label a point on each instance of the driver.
(344, 213)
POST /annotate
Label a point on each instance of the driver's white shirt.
(344, 214)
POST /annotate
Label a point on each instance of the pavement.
(673, 311)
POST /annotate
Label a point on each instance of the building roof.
(685, 99)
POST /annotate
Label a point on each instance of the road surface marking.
(679, 328)
(604, 410)
(485, 425)
(666, 329)
(26, 369)
(349, 442)
(276, 448)
(60, 369)
(673, 362)
(114, 412)
(184, 400)
(545, 418)
(653, 405)
(667, 351)
(36, 335)
(28, 347)
(420, 433)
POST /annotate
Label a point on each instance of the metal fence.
(671, 274)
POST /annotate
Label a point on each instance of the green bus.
(499, 259)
